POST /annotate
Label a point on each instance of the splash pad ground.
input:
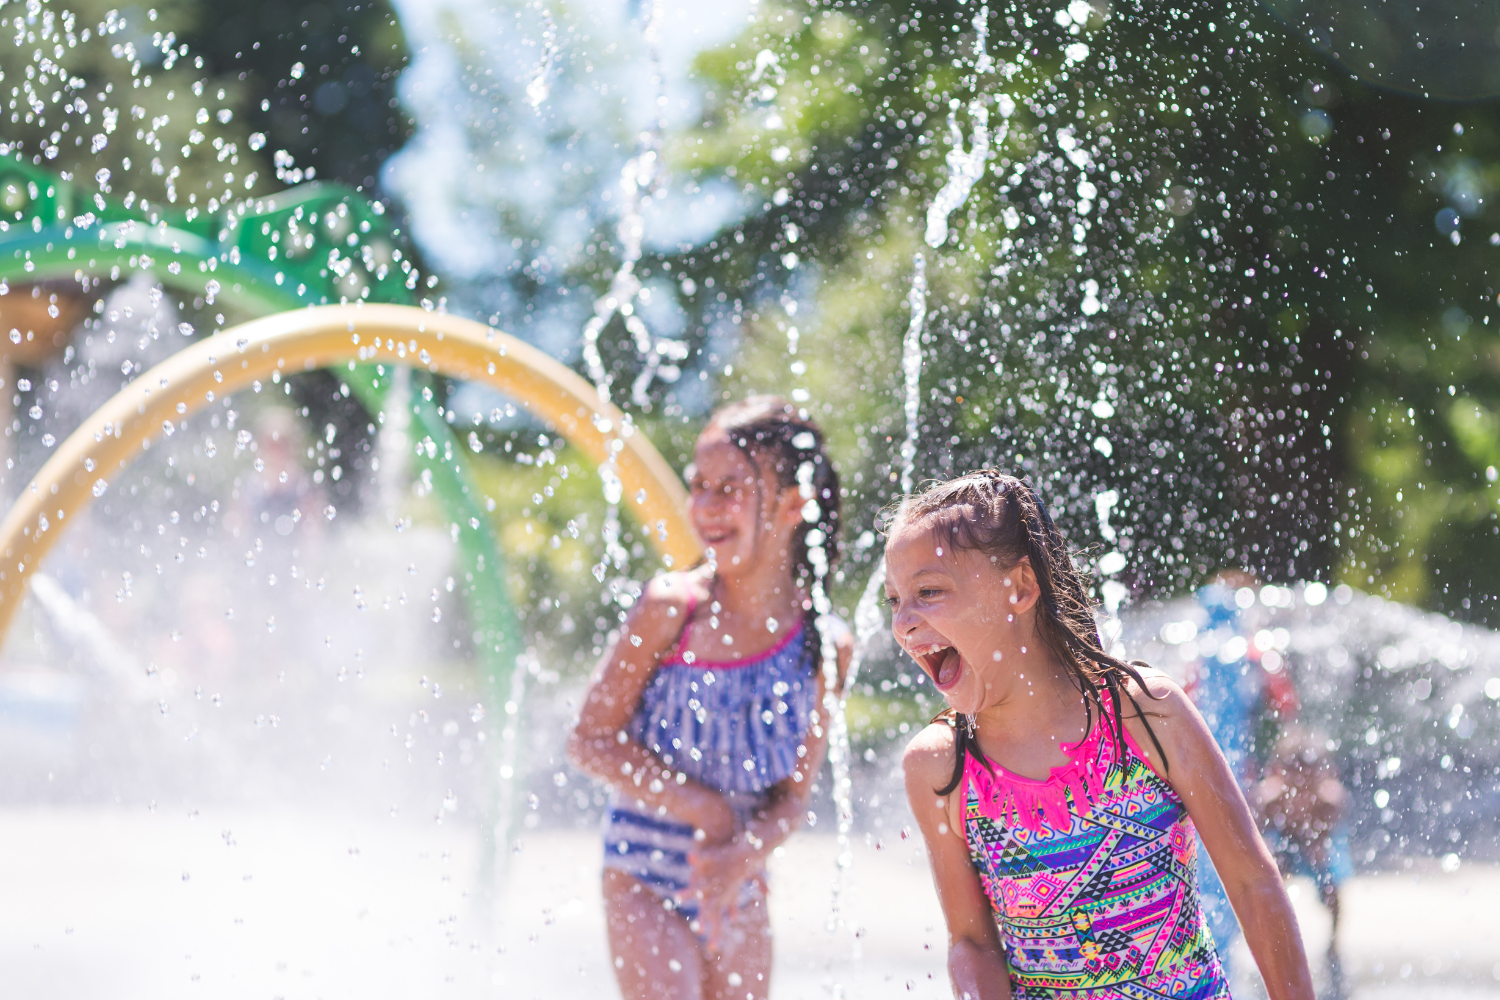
(308, 906)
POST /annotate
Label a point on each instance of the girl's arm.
(1202, 778)
(976, 960)
(600, 745)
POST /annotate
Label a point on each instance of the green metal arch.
(312, 245)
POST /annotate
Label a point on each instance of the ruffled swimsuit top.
(1092, 874)
(736, 726)
(733, 725)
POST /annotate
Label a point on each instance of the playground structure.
(276, 257)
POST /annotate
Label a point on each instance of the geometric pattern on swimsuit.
(1092, 874)
(732, 725)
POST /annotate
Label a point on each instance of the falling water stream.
(78, 625)
(642, 175)
(965, 168)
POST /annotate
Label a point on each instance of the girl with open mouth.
(1062, 795)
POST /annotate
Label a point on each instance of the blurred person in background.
(1225, 686)
(1302, 803)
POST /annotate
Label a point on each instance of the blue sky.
(494, 184)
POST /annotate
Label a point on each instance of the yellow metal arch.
(323, 337)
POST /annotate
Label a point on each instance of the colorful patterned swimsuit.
(736, 726)
(1093, 877)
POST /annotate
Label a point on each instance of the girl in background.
(1060, 794)
(705, 715)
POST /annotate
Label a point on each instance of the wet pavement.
(128, 904)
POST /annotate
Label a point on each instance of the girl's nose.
(903, 622)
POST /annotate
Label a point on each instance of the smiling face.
(967, 621)
(739, 510)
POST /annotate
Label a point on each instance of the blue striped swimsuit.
(735, 726)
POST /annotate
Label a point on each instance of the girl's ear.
(1027, 591)
(789, 504)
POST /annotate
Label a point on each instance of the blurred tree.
(1203, 267)
(175, 107)
(320, 79)
(113, 99)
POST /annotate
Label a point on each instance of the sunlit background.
(1218, 277)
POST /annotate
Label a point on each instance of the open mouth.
(942, 663)
(715, 536)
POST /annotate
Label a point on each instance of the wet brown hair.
(1004, 517)
(769, 430)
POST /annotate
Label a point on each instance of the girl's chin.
(961, 703)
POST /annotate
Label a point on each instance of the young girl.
(705, 714)
(1060, 794)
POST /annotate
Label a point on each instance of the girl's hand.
(722, 869)
(718, 878)
(712, 819)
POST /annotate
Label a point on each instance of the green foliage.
(1287, 355)
(111, 100)
(547, 510)
(1070, 324)
(184, 108)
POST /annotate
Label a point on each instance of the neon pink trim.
(1017, 800)
(1135, 748)
(1007, 797)
(963, 795)
(743, 661)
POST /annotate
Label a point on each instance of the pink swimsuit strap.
(687, 623)
(679, 650)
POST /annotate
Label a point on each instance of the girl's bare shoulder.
(666, 602)
(928, 758)
(1160, 695)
